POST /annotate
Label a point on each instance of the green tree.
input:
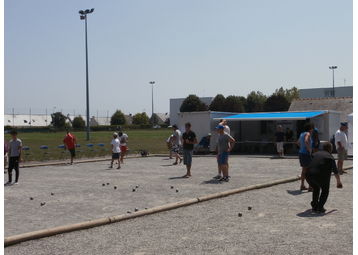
(289, 94)
(140, 118)
(276, 103)
(234, 104)
(118, 118)
(255, 102)
(78, 122)
(59, 120)
(190, 104)
(202, 107)
(217, 104)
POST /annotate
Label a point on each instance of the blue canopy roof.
(274, 116)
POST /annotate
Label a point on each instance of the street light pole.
(332, 68)
(83, 16)
(152, 82)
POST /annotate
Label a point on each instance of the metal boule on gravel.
(240, 214)
(250, 207)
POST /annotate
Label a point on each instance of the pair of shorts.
(169, 145)
(305, 159)
(187, 156)
(5, 158)
(223, 158)
(175, 148)
(123, 148)
(314, 146)
(279, 146)
(73, 152)
(342, 155)
(115, 155)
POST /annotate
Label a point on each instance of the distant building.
(339, 104)
(346, 91)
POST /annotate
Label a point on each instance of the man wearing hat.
(341, 146)
(225, 143)
(204, 143)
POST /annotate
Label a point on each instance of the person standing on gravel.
(225, 143)
(189, 138)
(318, 176)
(342, 146)
(115, 148)
(304, 142)
(70, 143)
(176, 142)
(123, 139)
(15, 152)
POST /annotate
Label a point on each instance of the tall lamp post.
(332, 68)
(152, 82)
(83, 16)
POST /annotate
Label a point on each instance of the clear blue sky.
(201, 47)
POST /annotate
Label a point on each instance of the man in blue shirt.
(204, 143)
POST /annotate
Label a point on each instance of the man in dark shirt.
(189, 139)
(318, 176)
(280, 140)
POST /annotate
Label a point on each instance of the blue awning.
(273, 116)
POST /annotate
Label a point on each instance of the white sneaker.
(15, 183)
(8, 184)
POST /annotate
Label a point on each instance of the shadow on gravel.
(309, 214)
(212, 182)
(294, 192)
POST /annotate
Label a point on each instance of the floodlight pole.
(83, 15)
(332, 68)
(152, 82)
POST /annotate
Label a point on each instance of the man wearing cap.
(204, 143)
(341, 146)
(115, 150)
(225, 143)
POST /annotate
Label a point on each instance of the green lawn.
(152, 140)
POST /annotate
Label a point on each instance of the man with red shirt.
(69, 142)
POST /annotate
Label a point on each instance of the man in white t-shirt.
(341, 146)
(116, 151)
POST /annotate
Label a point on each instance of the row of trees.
(280, 100)
(118, 118)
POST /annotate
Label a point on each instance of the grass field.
(152, 140)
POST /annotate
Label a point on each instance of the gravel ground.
(277, 224)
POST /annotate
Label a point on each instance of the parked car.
(157, 127)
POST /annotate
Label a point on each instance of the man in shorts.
(116, 151)
(341, 146)
(225, 143)
(280, 140)
(70, 143)
(123, 139)
(176, 142)
(189, 139)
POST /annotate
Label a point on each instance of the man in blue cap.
(341, 146)
(225, 143)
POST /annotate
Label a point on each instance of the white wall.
(175, 104)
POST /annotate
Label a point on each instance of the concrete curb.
(95, 223)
